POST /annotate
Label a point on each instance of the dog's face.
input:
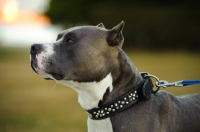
(83, 54)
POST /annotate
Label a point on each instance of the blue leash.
(164, 84)
(190, 82)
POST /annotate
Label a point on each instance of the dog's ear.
(115, 37)
(101, 25)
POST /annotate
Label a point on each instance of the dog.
(90, 60)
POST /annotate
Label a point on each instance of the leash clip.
(146, 74)
(164, 84)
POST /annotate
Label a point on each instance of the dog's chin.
(48, 78)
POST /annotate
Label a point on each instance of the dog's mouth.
(36, 69)
(34, 65)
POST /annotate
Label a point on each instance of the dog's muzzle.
(36, 60)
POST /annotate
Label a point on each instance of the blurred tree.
(151, 24)
(61, 11)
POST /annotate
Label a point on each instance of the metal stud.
(115, 106)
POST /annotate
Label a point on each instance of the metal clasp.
(164, 84)
(146, 74)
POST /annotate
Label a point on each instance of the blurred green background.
(155, 24)
(161, 37)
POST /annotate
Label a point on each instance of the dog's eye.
(69, 41)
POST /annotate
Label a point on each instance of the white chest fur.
(89, 95)
(99, 125)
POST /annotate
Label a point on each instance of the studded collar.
(142, 90)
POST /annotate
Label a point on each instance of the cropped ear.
(115, 37)
(101, 25)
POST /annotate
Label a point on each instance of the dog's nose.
(36, 48)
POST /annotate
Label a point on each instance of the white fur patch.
(49, 50)
(47, 53)
(89, 95)
(39, 58)
(99, 125)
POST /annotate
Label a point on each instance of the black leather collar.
(142, 90)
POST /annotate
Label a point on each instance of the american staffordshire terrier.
(90, 60)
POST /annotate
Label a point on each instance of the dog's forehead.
(83, 30)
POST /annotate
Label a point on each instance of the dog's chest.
(104, 125)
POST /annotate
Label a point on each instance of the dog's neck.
(125, 78)
(122, 78)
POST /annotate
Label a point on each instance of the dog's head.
(83, 54)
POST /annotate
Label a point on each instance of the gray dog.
(115, 95)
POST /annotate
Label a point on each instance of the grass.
(28, 103)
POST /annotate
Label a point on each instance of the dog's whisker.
(54, 86)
